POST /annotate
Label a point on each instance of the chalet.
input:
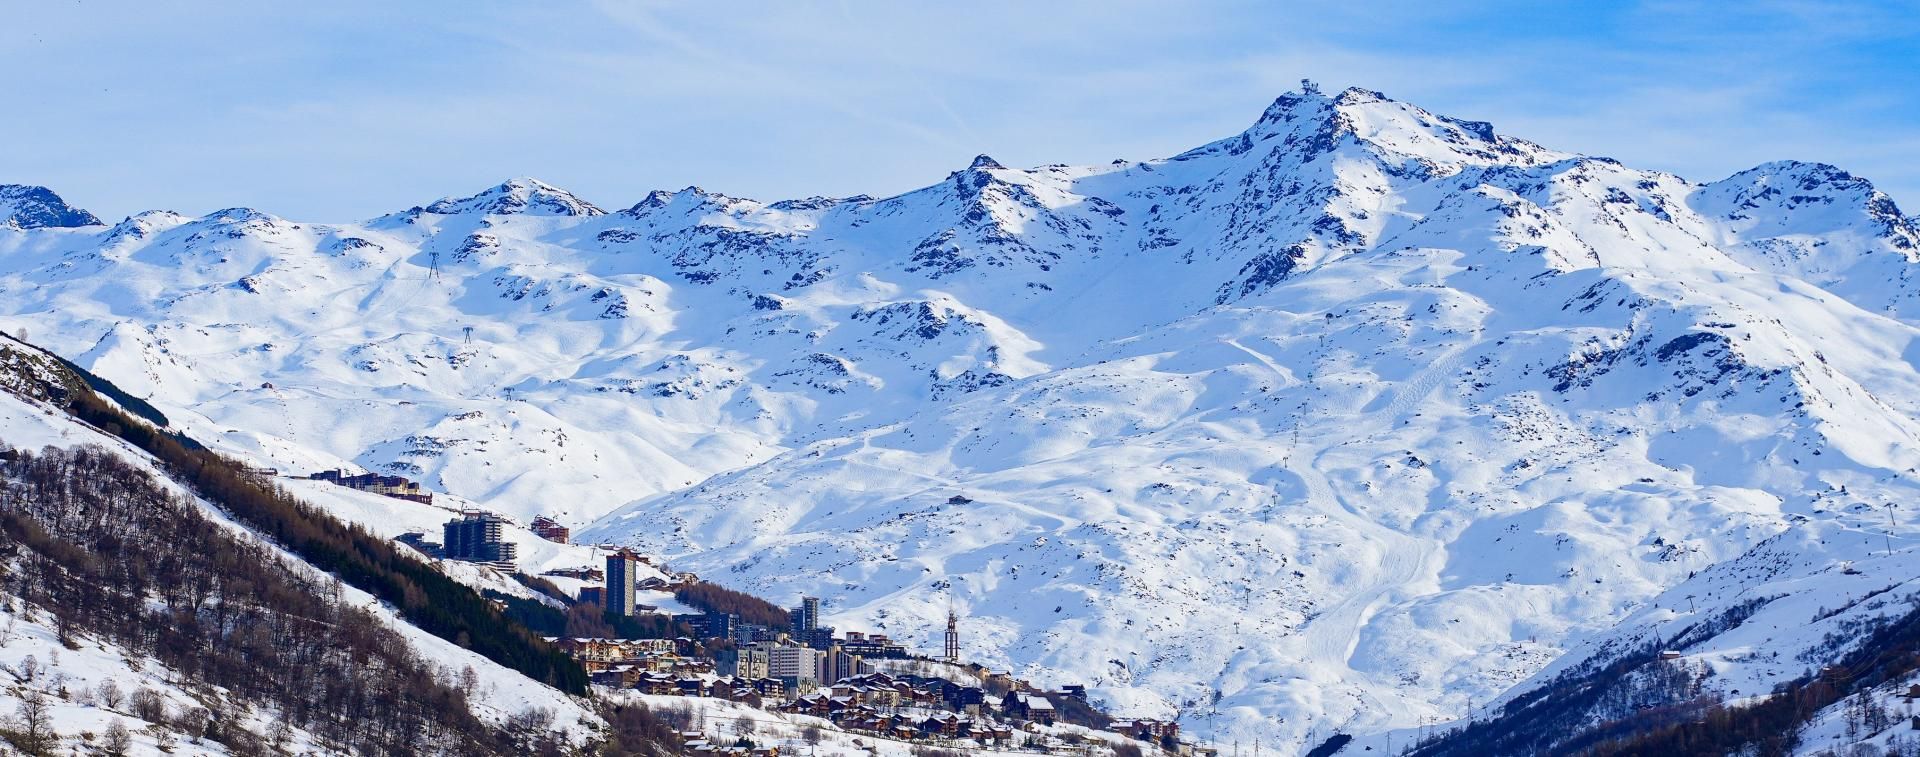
(944, 725)
(659, 684)
(551, 530)
(691, 687)
(770, 687)
(876, 679)
(812, 704)
(619, 676)
(874, 722)
(994, 733)
(1157, 731)
(959, 697)
(586, 649)
(923, 696)
(739, 691)
(881, 696)
(1028, 707)
(584, 572)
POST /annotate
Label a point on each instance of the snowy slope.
(1352, 418)
(33, 644)
(29, 424)
(1793, 604)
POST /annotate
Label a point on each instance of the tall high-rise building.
(806, 617)
(717, 625)
(841, 665)
(595, 595)
(478, 537)
(621, 566)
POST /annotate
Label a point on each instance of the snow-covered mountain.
(1339, 424)
(27, 207)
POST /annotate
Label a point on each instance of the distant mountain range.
(1350, 423)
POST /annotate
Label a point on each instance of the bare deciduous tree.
(109, 693)
(117, 739)
(147, 705)
(28, 669)
(35, 735)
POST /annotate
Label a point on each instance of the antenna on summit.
(1307, 86)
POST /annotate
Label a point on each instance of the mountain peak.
(33, 207)
(1807, 175)
(1293, 105)
(690, 197)
(1313, 123)
(1793, 196)
(518, 196)
(1359, 96)
(142, 225)
(237, 215)
(983, 161)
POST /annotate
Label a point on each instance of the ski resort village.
(659, 633)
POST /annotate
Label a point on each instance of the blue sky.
(344, 110)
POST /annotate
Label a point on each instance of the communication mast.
(953, 635)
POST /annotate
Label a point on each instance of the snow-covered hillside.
(72, 665)
(1349, 420)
